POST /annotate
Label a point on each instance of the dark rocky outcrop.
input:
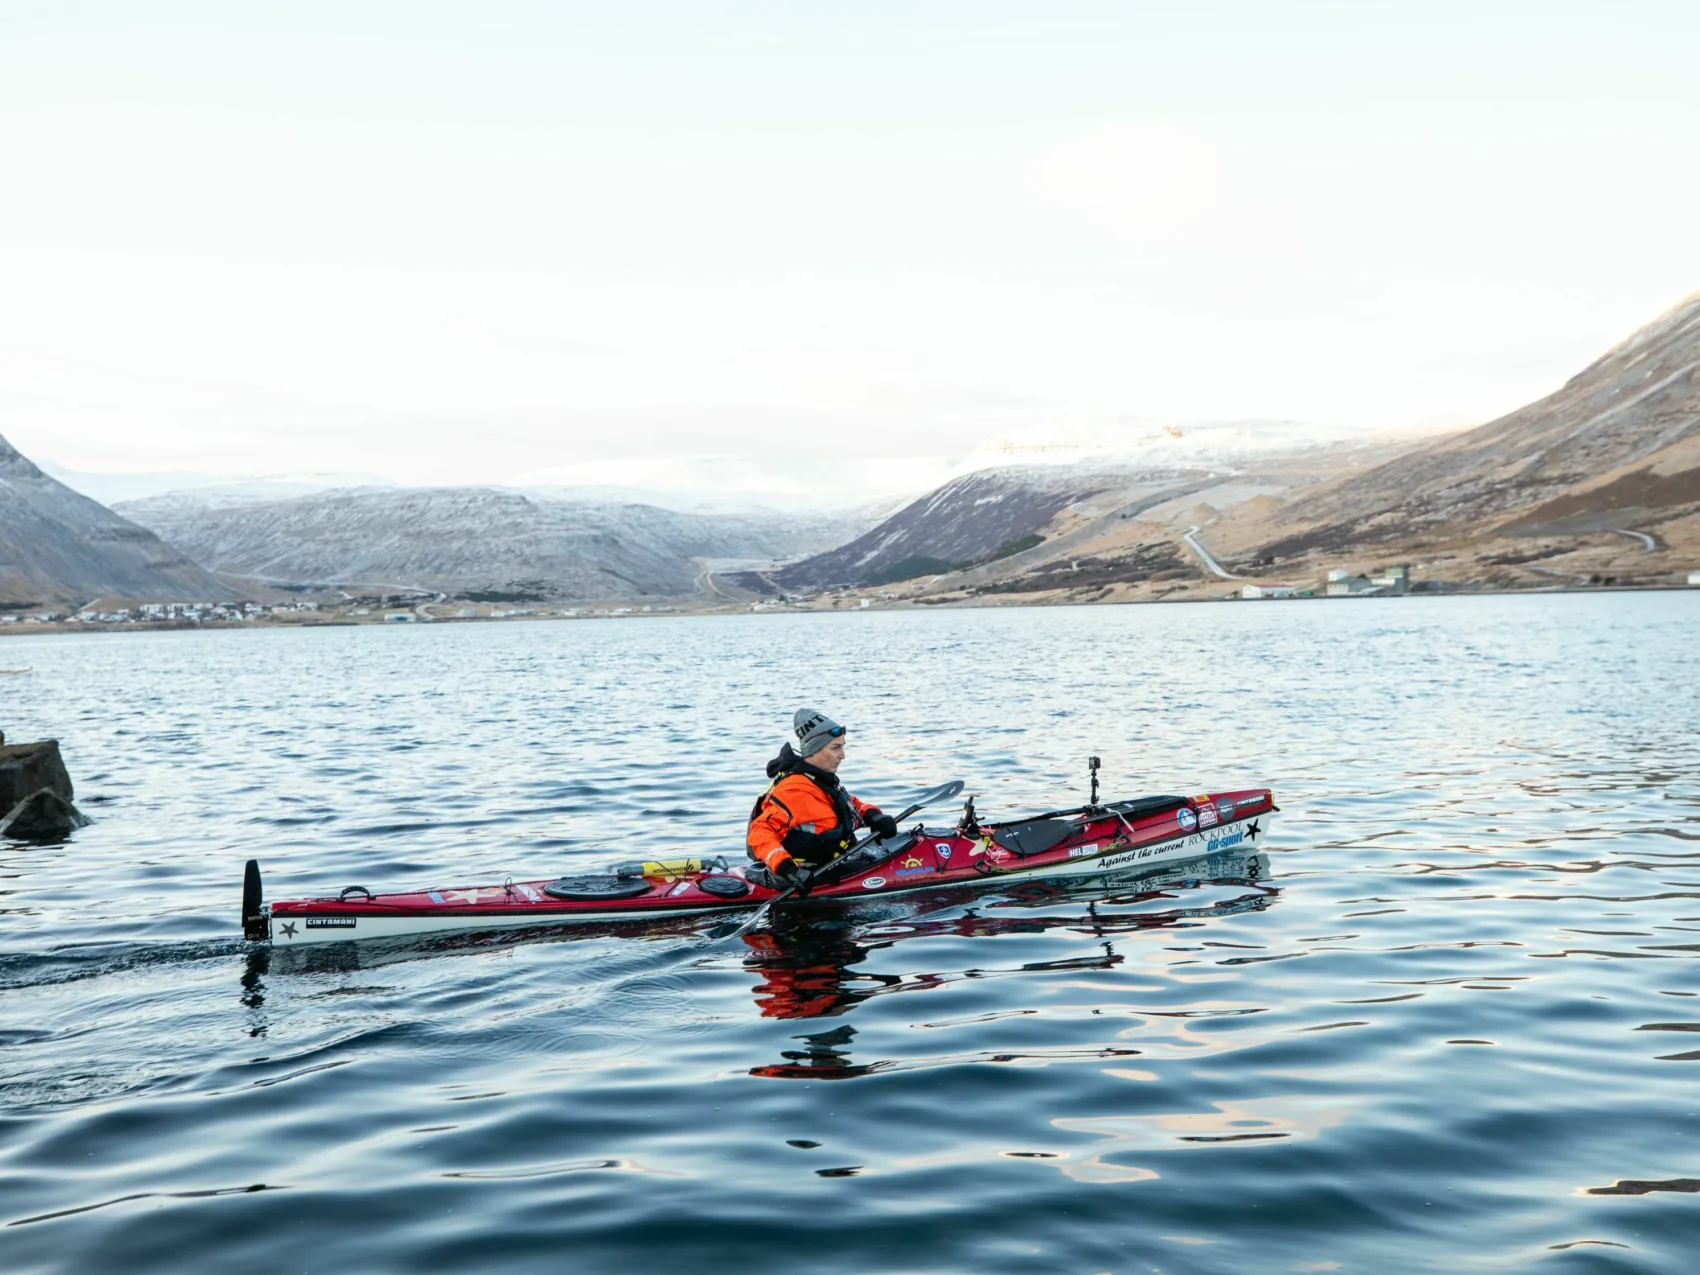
(57, 547)
(35, 793)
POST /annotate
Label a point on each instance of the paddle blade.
(752, 922)
(944, 792)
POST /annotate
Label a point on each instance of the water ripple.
(1439, 1024)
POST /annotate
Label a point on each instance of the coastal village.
(392, 609)
(432, 608)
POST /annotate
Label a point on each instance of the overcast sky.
(463, 242)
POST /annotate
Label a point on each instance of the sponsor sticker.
(872, 883)
(1224, 841)
(331, 922)
(529, 893)
(942, 849)
(1206, 814)
(1134, 856)
(1187, 820)
(679, 889)
(913, 866)
(1225, 807)
(436, 896)
(1080, 852)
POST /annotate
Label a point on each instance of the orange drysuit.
(798, 819)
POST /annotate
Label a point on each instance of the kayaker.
(806, 818)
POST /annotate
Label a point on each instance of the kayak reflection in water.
(806, 818)
(820, 967)
(808, 973)
(811, 970)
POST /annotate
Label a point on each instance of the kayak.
(1093, 840)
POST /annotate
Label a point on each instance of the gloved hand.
(796, 876)
(883, 825)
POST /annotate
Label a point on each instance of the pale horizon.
(469, 247)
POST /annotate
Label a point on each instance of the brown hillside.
(1636, 405)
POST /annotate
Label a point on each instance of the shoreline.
(57, 627)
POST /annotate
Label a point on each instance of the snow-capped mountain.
(790, 483)
(1124, 442)
(469, 538)
(1025, 481)
(208, 488)
(725, 483)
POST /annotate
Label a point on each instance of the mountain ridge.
(459, 538)
(979, 518)
(1631, 409)
(59, 547)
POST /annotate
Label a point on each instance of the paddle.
(944, 792)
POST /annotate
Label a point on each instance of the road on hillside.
(1206, 559)
(705, 583)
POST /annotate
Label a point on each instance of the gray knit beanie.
(815, 730)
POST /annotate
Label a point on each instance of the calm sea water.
(1448, 1023)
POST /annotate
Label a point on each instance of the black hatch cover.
(597, 887)
(1035, 836)
(723, 887)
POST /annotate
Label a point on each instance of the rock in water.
(35, 793)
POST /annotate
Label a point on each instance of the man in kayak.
(806, 819)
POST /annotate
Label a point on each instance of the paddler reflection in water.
(806, 819)
(805, 970)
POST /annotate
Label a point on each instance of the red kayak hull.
(1101, 841)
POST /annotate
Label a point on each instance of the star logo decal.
(471, 896)
(1251, 831)
(288, 928)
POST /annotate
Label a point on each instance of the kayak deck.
(1118, 837)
